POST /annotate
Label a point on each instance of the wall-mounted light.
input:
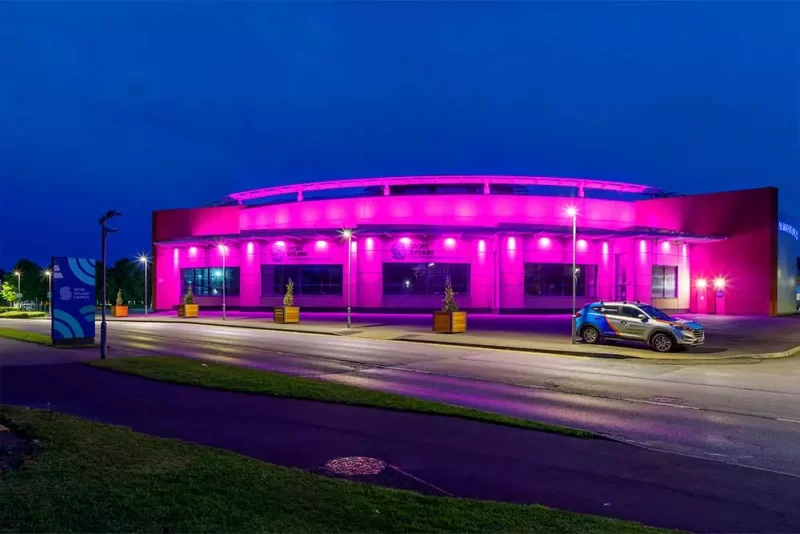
(665, 246)
(370, 243)
(642, 245)
(605, 247)
(449, 243)
(405, 240)
(582, 245)
(481, 245)
(512, 243)
(719, 283)
(544, 242)
(250, 247)
(192, 251)
(701, 283)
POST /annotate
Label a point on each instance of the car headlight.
(683, 328)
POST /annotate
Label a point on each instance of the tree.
(288, 298)
(449, 302)
(32, 282)
(8, 293)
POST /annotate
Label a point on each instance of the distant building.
(505, 242)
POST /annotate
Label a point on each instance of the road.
(742, 413)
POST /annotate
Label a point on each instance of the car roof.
(617, 303)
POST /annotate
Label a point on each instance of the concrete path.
(463, 458)
(727, 337)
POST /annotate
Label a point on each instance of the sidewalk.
(728, 337)
(445, 455)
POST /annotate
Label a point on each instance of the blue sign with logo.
(73, 301)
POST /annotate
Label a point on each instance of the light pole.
(348, 234)
(104, 231)
(143, 259)
(573, 212)
(49, 276)
(19, 288)
(222, 251)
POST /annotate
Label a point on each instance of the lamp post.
(222, 251)
(49, 276)
(143, 259)
(348, 234)
(104, 231)
(573, 212)
(19, 288)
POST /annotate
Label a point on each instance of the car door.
(613, 321)
(633, 325)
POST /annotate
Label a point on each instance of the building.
(505, 242)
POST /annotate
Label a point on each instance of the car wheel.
(662, 343)
(590, 335)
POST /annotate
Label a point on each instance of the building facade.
(505, 243)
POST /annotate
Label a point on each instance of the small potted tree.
(119, 310)
(188, 309)
(289, 313)
(449, 320)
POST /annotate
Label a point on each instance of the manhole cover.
(356, 465)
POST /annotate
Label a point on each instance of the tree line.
(125, 274)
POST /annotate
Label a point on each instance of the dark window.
(630, 311)
(424, 278)
(308, 279)
(555, 280)
(665, 281)
(207, 281)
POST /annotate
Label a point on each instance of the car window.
(630, 311)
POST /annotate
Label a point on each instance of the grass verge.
(22, 314)
(230, 378)
(23, 335)
(91, 477)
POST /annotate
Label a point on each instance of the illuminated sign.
(789, 229)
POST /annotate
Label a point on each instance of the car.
(599, 321)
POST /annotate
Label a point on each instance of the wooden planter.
(119, 311)
(188, 310)
(449, 322)
(287, 315)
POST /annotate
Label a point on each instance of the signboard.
(72, 320)
(789, 229)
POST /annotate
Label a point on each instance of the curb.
(607, 355)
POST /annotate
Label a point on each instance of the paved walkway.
(445, 455)
(727, 337)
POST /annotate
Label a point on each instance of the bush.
(4, 309)
(21, 314)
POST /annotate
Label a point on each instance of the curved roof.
(477, 180)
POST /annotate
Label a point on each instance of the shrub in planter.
(288, 313)
(188, 309)
(119, 310)
(449, 320)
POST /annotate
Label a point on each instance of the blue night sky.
(147, 105)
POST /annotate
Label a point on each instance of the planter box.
(188, 310)
(119, 311)
(287, 315)
(449, 322)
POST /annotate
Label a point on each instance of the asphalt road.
(433, 454)
(745, 413)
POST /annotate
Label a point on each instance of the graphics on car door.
(632, 324)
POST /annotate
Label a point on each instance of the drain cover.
(356, 465)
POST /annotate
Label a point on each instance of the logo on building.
(66, 293)
(789, 229)
(278, 251)
(399, 250)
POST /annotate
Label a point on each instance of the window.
(630, 311)
(308, 279)
(424, 278)
(665, 282)
(207, 281)
(555, 280)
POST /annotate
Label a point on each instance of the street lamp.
(104, 231)
(143, 259)
(222, 251)
(348, 234)
(19, 288)
(572, 211)
(49, 276)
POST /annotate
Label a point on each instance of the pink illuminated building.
(504, 241)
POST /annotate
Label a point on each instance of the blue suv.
(636, 322)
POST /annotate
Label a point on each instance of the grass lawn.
(22, 335)
(90, 477)
(230, 378)
(22, 314)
